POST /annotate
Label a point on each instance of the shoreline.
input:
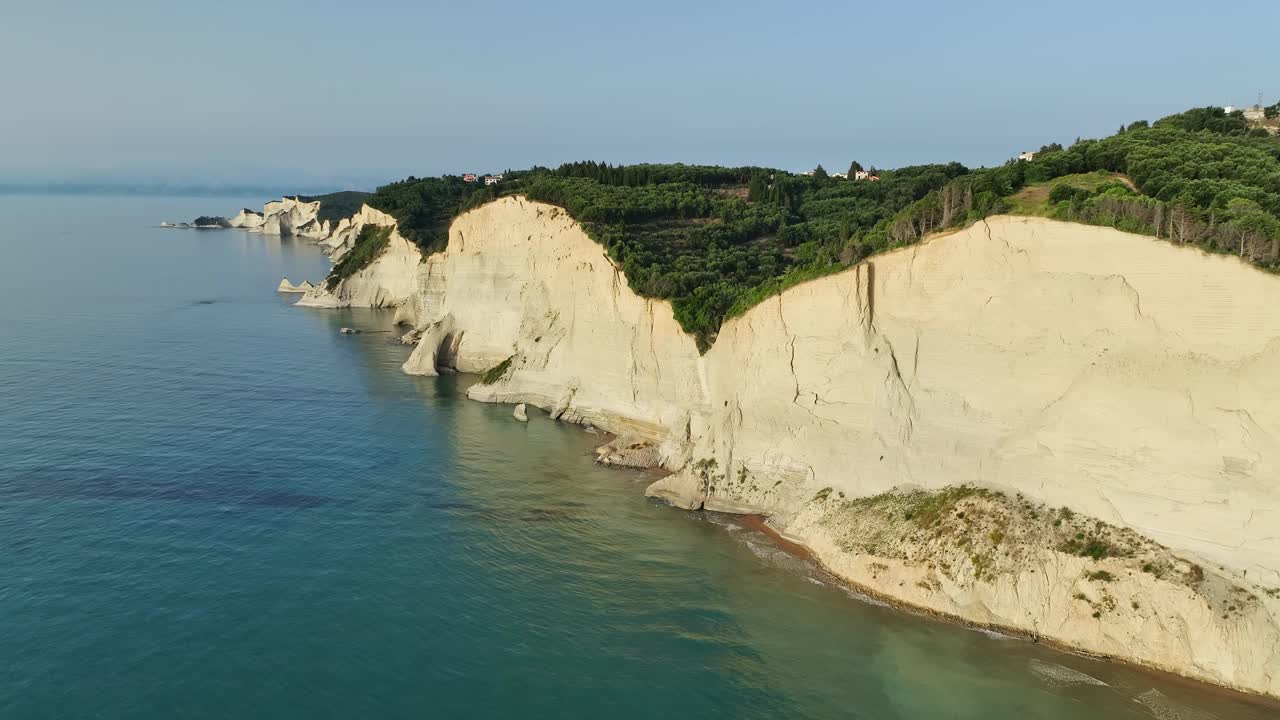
(797, 549)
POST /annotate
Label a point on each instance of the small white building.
(1257, 112)
(1027, 156)
(492, 179)
(842, 176)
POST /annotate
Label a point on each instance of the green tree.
(854, 168)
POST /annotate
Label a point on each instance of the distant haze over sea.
(173, 189)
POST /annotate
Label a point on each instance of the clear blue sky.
(323, 93)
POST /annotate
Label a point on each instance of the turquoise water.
(213, 505)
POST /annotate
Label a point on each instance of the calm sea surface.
(214, 505)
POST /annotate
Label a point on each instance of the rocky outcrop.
(288, 217)
(520, 414)
(287, 287)
(1126, 379)
(1004, 561)
(247, 219)
(629, 450)
(387, 282)
(291, 217)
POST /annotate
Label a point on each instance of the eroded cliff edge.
(1054, 365)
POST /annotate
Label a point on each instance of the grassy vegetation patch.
(496, 373)
(987, 531)
(369, 244)
(1034, 199)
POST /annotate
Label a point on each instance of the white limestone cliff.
(291, 217)
(288, 217)
(1125, 378)
(387, 282)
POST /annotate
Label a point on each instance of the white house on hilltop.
(1255, 113)
(1027, 156)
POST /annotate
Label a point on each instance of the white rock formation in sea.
(1122, 377)
(287, 287)
(291, 217)
(520, 414)
(287, 217)
(247, 218)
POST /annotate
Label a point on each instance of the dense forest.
(717, 240)
(1203, 177)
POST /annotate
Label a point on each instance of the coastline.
(639, 377)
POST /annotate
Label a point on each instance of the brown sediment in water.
(761, 524)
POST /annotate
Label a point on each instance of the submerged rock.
(348, 331)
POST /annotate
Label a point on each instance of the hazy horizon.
(316, 96)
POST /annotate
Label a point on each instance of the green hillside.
(337, 205)
(717, 240)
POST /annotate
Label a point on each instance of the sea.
(215, 505)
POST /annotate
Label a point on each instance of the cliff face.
(523, 281)
(388, 281)
(1127, 378)
(1124, 378)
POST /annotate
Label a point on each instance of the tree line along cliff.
(715, 241)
